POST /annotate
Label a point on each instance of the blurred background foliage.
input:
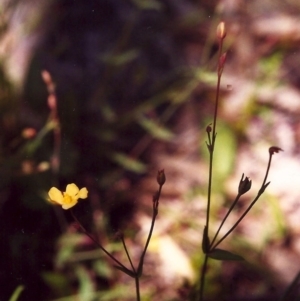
(135, 83)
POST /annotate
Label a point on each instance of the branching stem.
(260, 192)
(97, 243)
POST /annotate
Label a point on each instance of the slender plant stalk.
(97, 243)
(244, 186)
(225, 218)
(137, 287)
(211, 147)
(202, 279)
(213, 140)
(154, 214)
(141, 262)
(52, 104)
(136, 277)
(53, 123)
(127, 253)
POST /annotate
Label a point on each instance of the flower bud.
(208, 129)
(221, 31)
(119, 235)
(274, 149)
(244, 185)
(161, 177)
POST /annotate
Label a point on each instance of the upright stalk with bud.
(209, 247)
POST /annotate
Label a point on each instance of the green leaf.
(155, 129)
(103, 269)
(16, 293)
(220, 254)
(129, 163)
(57, 282)
(67, 245)
(86, 286)
(32, 145)
(121, 58)
(225, 151)
(206, 77)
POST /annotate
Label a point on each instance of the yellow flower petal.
(69, 205)
(72, 190)
(83, 193)
(56, 195)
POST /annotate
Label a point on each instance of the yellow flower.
(69, 198)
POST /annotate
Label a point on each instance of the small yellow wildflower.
(69, 198)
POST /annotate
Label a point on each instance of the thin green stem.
(212, 144)
(217, 92)
(141, 262)
(137, 287)
(154, 214)
(127, 253)
(209, 185)
(211, 147)
(97, 243)
(224, 219)
(202, 280)
(260, 192)
(267, 172)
